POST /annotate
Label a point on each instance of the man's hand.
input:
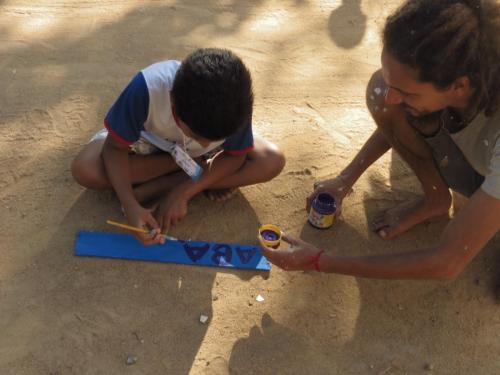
(141, 217)
(336, 187)
(172, 208)
(300, 255)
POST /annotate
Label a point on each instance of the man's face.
(403, 88)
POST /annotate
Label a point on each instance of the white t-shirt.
(145, 105)
(480, 143)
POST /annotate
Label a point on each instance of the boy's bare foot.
(397, 220)
(220, 195)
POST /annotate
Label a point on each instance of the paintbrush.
(136, 229)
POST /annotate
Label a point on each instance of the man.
(436, 103)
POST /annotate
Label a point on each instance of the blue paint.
(201, 253)
(322, 211)
(270, 235)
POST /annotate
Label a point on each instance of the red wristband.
(315, 259)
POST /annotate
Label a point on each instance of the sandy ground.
(63, 62)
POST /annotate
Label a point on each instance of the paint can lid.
(270, 234)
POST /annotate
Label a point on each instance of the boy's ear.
(461, 87)
(174, 113)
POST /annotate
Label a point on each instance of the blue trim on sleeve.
(240, 142)
(126, 117)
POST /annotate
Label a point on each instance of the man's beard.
(425, 119)
(448, 118)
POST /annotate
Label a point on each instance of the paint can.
(270, 235)
(322, 211)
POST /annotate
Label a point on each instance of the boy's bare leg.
(88, 166)
(411, 146)
(262, 164)
(220, 195)
(153, 189)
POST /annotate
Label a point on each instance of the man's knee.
(87, 175)
(375, 93)
(381, 112)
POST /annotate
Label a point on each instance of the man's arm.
(376, 146)
(461, 240)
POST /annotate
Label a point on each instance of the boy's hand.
(172, 209)
(300, 255)
(336, 187)
(141, 217)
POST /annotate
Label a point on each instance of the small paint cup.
(270, 235)
(322, 211)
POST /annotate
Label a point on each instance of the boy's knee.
(278, 162)
(87, 176)
(273, 162)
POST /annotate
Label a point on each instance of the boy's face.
(188, 132)
(417, 98)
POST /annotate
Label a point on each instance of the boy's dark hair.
(447, 39)
(212, 93)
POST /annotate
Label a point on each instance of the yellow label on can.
(321, 221)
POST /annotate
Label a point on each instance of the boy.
(202, 104)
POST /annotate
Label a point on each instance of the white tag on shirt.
(180, 156)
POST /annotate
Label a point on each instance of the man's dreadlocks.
(447, 39)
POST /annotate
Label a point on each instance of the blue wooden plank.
(198, 253)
